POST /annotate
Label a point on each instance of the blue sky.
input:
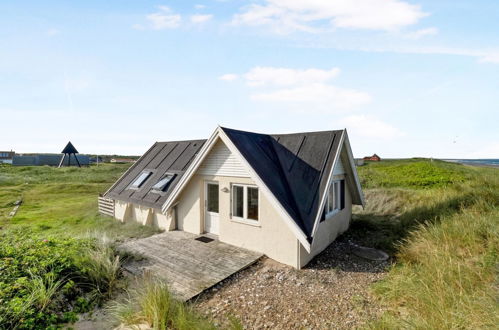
(406, 78)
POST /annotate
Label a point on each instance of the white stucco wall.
(329, 229)
(126, 212)
(270, 235)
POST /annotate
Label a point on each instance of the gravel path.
(331, 292)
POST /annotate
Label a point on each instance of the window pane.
(238, 201)
(212, 192)
(330, 197)
(252, 200)
(337, 195)
(140, 180)
(161, 185)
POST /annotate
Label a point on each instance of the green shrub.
(418, 173)
(43, 281)
(101, 267)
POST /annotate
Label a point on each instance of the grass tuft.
(152, 303)
(43, 289)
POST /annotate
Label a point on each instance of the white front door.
(211, 208)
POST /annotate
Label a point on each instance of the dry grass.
(446, 240)
(151, 303)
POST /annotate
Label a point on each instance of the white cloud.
(198, 19)
(307, 88)
(165, 18)
(228, 77)
(286, 16)
(261, 76)
(370, 127)
(421, 33)
(490, 55)
(325, 96)
(53, 32)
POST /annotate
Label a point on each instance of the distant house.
(97, 159)
(123, 160)
(287, 195)
(6, 157)
(47, 159)
(374, 158)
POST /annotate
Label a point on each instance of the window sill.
(243, 221)
(332, 214)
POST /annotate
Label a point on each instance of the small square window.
(245, 202)
(141, 179)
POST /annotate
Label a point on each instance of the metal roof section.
(163, 158)
(295, 167)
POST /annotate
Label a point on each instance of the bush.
(43, 281)
(102, 267)
(410, 174)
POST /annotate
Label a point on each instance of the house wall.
(128, 212)
(329, 229)
(222, 162)
(270, 235)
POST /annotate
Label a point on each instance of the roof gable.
(294, 167)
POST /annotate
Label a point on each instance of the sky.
(405, 78)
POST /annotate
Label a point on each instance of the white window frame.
(245, 218)
(334, 206)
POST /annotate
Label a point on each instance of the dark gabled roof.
(295, 167)
(69, 149)
(161, 158)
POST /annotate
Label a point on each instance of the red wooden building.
(374, 158)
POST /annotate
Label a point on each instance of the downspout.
(175, 218)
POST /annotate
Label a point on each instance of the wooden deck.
(188, 265)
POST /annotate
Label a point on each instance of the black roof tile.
(294, 167)
(161, 158)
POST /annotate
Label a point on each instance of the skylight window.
(163, 183)
(140, 179)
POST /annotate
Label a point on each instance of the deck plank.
(188, 266)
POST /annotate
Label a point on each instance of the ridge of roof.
(282, 134)
(179, 141)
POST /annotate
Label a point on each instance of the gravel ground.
(331, 292)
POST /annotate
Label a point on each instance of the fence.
(106, 206)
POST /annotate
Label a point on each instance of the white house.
(285, 195)
(6, 157)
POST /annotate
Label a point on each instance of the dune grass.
(61, 200)
(444, 232)
(152, 304)
(52, 264)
